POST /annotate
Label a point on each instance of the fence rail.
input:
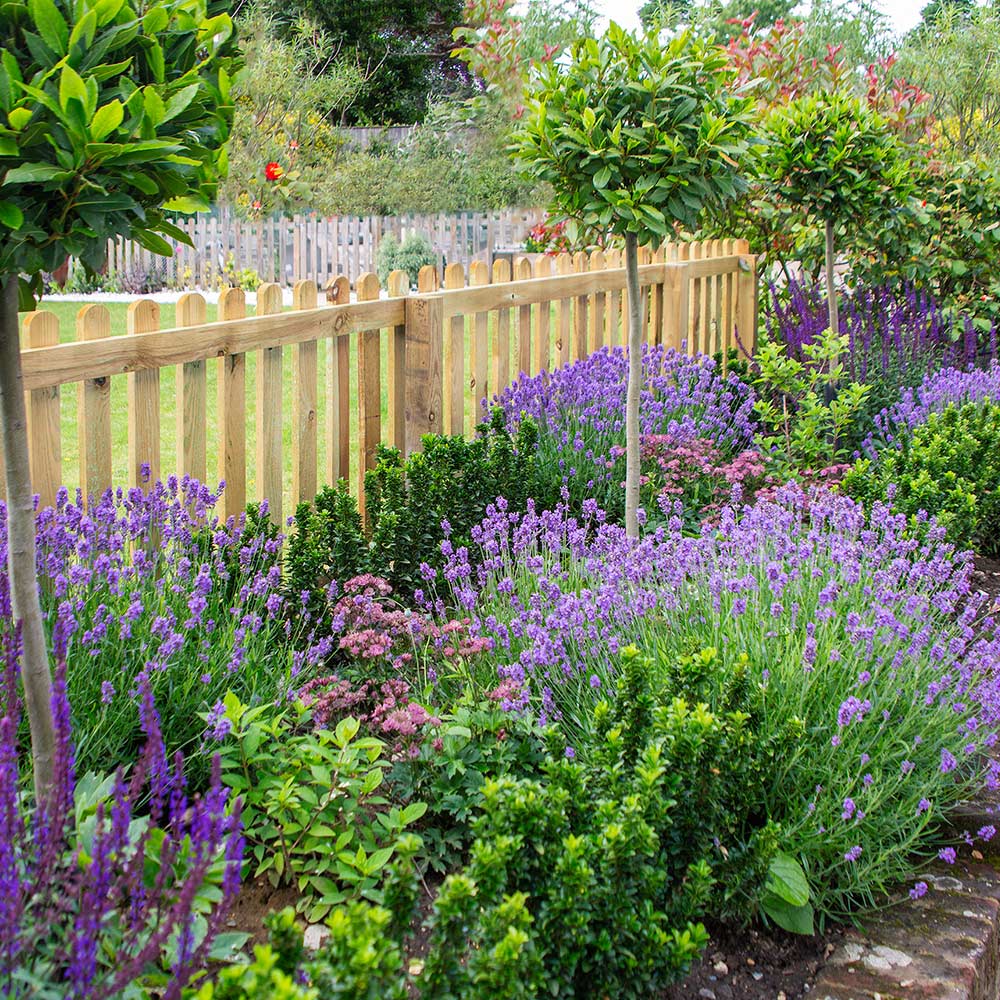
(310, 247)
(368, 371)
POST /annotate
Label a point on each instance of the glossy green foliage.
(314, 814)
(635, 136)
(949, 468)
(836, 157)
(111, 113)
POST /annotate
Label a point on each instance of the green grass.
(66, 314)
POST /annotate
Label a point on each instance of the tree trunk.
(26, 609)
(634, 384)
(831, 288)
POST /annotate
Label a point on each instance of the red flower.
(273, 171)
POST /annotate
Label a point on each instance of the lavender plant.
(97, 899)
(864, 640)
(933, 395)
(150, 583)
(896, 336)
(580, 414)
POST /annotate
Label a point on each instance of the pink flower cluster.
(385, 709)
(679, 465)
(373, 628)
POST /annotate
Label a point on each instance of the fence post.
(304, 403)
(192, 397)
(746, 299)
(369, 388)
(44, 439)
(338, 394)
(269, 477)
(454, 278)
(479, 274)
(423, 390)
(676, 305)
(399, 287)
(143, 401)
(233, 413)
(93, 322)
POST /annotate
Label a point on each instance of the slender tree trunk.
(35, 674)
(831, 288)
(634, 384)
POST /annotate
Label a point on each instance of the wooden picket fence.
(393, 367)
(313, 247)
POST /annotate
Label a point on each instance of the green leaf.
(71, 86)
(794, 919)
(19, 118)
(156, 111)
(106, 120)
(34, 173)
(10, 215)
(51, 24)
(787, 880)
(187, 205)
(347, 729)
(8, 147)
(180, 101)
(412, 812)
(152, 242)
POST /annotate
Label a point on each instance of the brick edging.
(945, 946)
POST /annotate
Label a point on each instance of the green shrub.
(312, 813)
(949, 467)
(806, 410)
(452, 480)
(410, 256)
(579, 854)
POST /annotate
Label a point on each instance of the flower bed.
(501, 748)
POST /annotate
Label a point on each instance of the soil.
(255, 901)
(755, 965)
(986, 577)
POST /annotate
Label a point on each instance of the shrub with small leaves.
(948, 468)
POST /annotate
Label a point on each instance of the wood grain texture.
(564, 268)
(268, 419)
(232, 413)
(73, 362)
(305, 404)
(580, 313)
(523, 272)
(398, 287)
(425, 332)
(44, 427)
(479, 275)
(192, 397)
(543, 335)
(338, 400)
(369, 389)
(598, 305)
(500, 361)
(143, 401)
(93, 322)
(454, 358)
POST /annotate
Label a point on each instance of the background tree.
(837, 159)
(108, 110)
(290, 102)
(402, 48)
(956, 58)
(635, 137)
